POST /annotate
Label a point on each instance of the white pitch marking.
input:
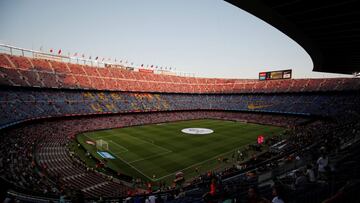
(134, 167)
(126, 150)
(156, 179)
(145, 141)
(148, 157)
(169, 151)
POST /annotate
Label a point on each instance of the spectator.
(151, 199)
(62, 198)
(277, 193)
(310, 174)
(322, 163)
(301, 180)
(254, 197)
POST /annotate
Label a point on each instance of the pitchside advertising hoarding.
(105, 155)
(276, 75)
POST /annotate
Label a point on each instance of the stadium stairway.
(53, 155)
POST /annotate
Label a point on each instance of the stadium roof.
(328, 30)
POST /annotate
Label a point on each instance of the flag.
(96, 58)
(89, 57)
(59, 52)
(51, 50)
(102, 59)
(142, 65)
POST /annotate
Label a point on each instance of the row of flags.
(59, 52)
(156, 67)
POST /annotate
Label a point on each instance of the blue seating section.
(20, 104)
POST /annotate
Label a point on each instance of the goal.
(102, 145)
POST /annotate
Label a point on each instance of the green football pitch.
(158, 151)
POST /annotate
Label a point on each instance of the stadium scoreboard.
(275, 75)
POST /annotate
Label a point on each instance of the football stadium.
(77, 128)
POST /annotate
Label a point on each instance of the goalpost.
(102, 145)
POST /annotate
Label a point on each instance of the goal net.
(102, 145)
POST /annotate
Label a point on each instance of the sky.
(207, 38)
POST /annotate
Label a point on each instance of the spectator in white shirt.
(322, 163)
(310, 174)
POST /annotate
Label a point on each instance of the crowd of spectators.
(20, 104)
(18, 164)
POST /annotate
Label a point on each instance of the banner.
(146, 70)
(90, 142)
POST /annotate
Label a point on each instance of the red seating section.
(23, 71)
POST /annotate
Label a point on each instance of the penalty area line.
(151, 156)
(117, 151)
(122, 147)
(134, 168)
(214, 157)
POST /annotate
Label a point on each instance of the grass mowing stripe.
(148, 157)
(196, 164)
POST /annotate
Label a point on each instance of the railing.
(17, 51)
(33, 198)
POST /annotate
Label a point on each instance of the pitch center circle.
(197, 131)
